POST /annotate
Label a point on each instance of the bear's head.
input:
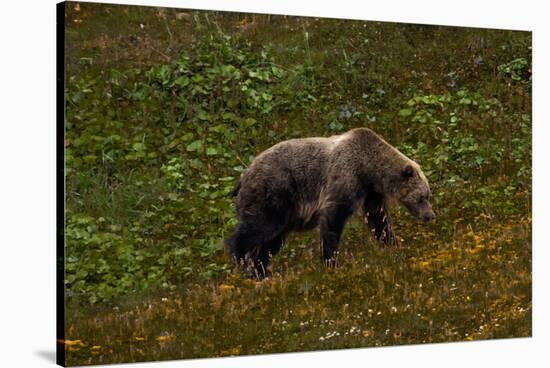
(410, 188)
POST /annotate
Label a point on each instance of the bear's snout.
(429, 216)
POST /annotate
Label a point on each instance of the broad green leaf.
(405, 112)
(211, 151)
(194, 146)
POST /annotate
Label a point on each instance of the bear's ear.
(408, 171)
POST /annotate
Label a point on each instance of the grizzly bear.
(299, 184)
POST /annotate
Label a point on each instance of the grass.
(475, 287)
(166, 108)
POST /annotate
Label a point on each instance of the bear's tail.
(235, 190)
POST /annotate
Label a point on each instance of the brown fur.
(301, 183)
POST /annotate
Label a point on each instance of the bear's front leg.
(377, 218)
(332, 221)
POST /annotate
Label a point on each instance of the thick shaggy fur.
(303, 183)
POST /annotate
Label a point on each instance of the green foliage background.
(159, 129)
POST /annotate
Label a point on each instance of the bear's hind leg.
(268, 250)
(234, 247)
(238, 244)
(245, 244)
(253, 242)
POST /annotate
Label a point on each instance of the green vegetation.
(159, 129)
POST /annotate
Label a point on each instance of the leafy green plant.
(517, 70)
(153, 151)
